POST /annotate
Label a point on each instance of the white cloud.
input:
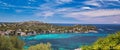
(84, 8)
(102, 3)
(100, 15)
(58, 1)
(110, 0)
(96, 16)
(104, 0)
(18, 11)
(26, 7)
(93, 3)
(45, 14)
(50, 4)
(3, 3)
(115, 22)
(113, 4)
(95, 13)
(67, 9)
(32, 0)
(84, 13)
(62, 9)
(63, 1)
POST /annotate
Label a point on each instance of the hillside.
(33, 27)
(111, 42)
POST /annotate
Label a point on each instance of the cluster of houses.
(44, 28)
(19, 32)
(16, 32)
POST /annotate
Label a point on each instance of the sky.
(61, 11)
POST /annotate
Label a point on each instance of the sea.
(71, 41)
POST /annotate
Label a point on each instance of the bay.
(71, 41)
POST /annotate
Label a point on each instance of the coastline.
(33, 27)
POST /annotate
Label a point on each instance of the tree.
(11, 43)
(41, 46)
(111, 42)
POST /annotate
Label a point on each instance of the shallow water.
(63, 41)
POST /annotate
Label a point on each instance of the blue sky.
(61, 11)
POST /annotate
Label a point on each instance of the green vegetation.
(13, 43)
(33, 27)
(41, 46)
(111, 42)
(10, 43)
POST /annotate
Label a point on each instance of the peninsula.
(36, 27)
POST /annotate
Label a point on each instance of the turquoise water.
(48, 36)
(62, 41)
(59, 35)
(71, 41)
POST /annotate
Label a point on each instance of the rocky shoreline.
(33, 28)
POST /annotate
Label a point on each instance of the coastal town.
(36, 27)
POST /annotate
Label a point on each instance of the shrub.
(41, 46)
(110, 42)
(11, 43)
